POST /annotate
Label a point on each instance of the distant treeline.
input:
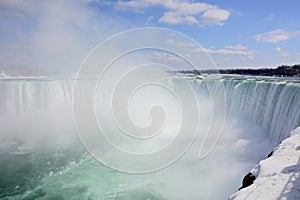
(282, 70)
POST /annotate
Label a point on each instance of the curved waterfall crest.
(271, 103)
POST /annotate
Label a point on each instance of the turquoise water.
(71, 173)
(63, 174)
(67, 174)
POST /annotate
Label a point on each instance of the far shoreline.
(280, 71)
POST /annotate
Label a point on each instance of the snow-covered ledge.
(278, 177)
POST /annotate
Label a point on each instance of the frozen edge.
(277, 177)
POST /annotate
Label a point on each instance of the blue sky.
(57, 35)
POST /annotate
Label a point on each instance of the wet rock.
(248, 180)
(270, 154)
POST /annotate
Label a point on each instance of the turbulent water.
(41, 156)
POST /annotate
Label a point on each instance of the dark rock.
(248, 180)
(270, 154)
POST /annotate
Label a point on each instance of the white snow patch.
(278, 177)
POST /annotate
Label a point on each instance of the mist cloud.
(51, 36)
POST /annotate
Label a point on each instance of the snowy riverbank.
(278, 177)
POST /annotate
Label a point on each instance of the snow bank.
(278, 177)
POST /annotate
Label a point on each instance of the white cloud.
(215, 16)
(277, 49)
(248, 58)
(225, 51)
(182, 7)
(173, 18)
(185, 44)
(281, 52)
(170, 41)
(150, 18)
(236, 47)
(230, 52)
(275, 36)
(166, 57)
(284, 54)
(181, 44)
(180, 12)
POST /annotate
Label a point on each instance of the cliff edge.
(277, 177)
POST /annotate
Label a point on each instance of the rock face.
(248, 180)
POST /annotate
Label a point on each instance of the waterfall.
(269, 102)
(22, 95)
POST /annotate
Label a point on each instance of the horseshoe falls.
(42, 156)
(271, 103)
